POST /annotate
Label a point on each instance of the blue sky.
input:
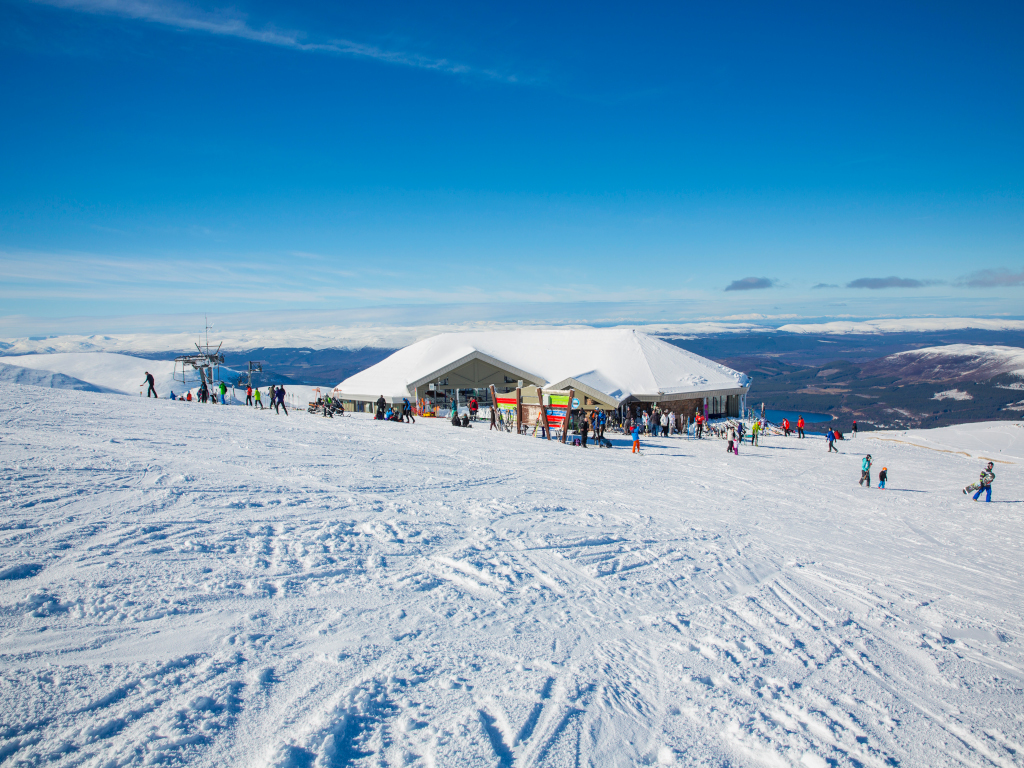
(162, 157)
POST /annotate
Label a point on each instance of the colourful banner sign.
(557, 409)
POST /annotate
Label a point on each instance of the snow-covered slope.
(961, 360)
(14, 374)
(1001, 441)
(108, 370)
(204, 586)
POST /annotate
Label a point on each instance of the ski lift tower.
(206, 362)
(245, 377)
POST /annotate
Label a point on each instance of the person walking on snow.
(785, 426)
(854, 428)
(800, 427)
(865, 471)
(831, 437)
(636, 438)
(151, 392)
(280, 400)
(256, 396)
(248, 395)
(984, 484)
(494, 419)
(755, 430)
(882, 477)
(223, 393)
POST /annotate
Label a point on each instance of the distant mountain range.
(919, 380)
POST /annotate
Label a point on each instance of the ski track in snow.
(190, 585)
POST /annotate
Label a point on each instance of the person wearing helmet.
(984, 484)
(865, 471)
(882, 477)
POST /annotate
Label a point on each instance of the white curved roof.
(616, 362)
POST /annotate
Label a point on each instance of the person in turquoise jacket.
(636, 438)
(865, 471)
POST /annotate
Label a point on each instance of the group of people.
(253, 396)
(394, 412)
(865, 473)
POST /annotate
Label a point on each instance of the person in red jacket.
(800, 427)
(785, 426)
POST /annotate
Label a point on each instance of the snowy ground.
(186, 584)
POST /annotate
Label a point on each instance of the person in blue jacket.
(636, 438)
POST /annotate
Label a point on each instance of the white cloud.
(231, 24)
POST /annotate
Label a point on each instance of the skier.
(831, 437)
(984, 484)
(865, 471)
(636, 438)
(785, 426)
(248, 395)
(258, 399)
(882, 477)
(151, 392)
(854, 428)
(800, 427)
(223, 393)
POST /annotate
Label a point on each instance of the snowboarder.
(636, 438)
(984, 484)
(882, 477)
(258, 400)
(151, 392)
(865, 471)
(800, 427)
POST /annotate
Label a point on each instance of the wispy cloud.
(824, 285)
(750, 284)
(877, 283)
(229, 23)
(992, 278)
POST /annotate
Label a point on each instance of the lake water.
(776, 417)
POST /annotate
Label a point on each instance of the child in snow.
(865, 471)
(636, 438)
(984, 484)
(882, 477)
